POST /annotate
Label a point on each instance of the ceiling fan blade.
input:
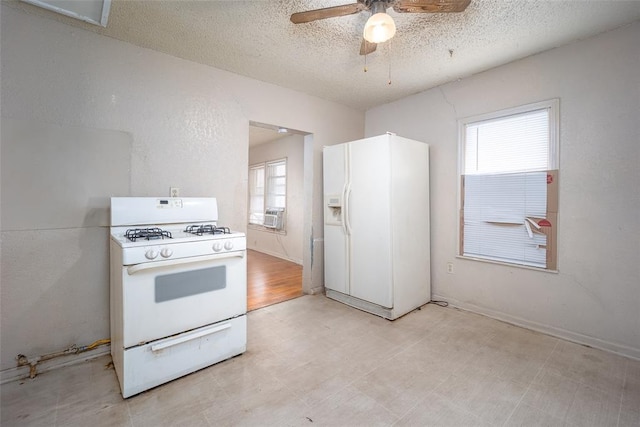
(327, 12)
(367, 47)
(430, 6)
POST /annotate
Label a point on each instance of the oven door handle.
(188, 337)
(180, 261)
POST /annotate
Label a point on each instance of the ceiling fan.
(380, 26)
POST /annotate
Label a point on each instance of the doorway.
(276, 205)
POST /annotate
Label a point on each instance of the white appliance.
(178, 289)
(376, 224)
(274, 218)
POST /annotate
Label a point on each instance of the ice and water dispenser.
(333, 209)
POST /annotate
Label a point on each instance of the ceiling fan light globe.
(379, 28)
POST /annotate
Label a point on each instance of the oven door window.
(188, 283)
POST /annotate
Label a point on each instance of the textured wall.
(595, 296)
(189, 126)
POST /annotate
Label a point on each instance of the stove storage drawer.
(161, 361)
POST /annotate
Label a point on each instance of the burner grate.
(201, 230)
(134, 234)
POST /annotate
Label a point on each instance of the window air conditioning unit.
(274, 218)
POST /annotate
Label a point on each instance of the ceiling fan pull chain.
(389, 60)
(365, 62)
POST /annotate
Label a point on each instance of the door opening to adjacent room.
(276, 214)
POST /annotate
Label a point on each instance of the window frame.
(262, 167)
(553, 107)
(265, 197)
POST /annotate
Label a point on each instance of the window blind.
(519, 142)
(504, 185)
(500, 213)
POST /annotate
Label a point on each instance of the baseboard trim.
(633, 353)
(278, 255)
(22, 372)
(317, 290)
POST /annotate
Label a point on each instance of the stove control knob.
(217, 247)
(151, 254)
(166, 252)
(228, 245)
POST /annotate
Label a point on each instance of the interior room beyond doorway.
(275, 214)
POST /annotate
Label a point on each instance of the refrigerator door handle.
(346, 209)
(343, 210)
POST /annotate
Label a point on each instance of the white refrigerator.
(376, 224)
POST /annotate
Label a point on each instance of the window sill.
(507, 264)
(266, 229)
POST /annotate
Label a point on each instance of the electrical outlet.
(174, 191)
(450, 267)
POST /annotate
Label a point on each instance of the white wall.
(189, 126)
(595, 297)
(286, 245)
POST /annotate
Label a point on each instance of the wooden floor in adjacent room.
(271, 280)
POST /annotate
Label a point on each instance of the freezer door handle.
(346, 209)
(170, 342)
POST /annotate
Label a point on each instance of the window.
(256, 194)
(509, 186)
(267, 189)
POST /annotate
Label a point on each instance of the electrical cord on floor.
(439, 303)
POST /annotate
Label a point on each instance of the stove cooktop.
(170, 234)
(153, 233)
(203, 229)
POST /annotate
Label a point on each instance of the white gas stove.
(168, 242)
(178, 289)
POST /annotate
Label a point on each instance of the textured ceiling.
(256, 39)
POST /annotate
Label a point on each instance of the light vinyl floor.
(313, 361)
